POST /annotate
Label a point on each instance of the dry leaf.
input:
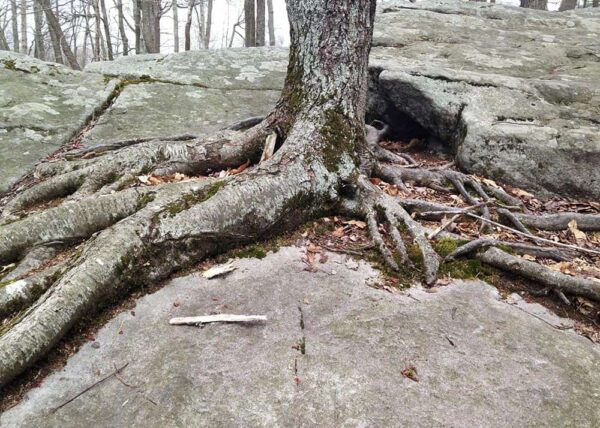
(239, 169)
(339, 232)
(522, 193)
(357, 223)
(577, 234)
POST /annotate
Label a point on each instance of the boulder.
(42, 106)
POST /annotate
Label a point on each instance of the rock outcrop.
(512, 92)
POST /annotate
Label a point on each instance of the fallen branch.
(565, 283)
(115, 373)
(217, 318)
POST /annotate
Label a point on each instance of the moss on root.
(190, 199)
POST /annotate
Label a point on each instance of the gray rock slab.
(480, 360)
(514, 91)
(242, 68)
(42, 105)
(149, 110)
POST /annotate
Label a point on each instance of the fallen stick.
(217, 318)
(75, 397)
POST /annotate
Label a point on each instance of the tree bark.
(24, 48)
(271, 23)
(188, 25)
(260, 22)
(38, 37)
(207, 34)
(535, 4)
(137, 22)
(105, 21)
(249, 24)
(151, 14)
(15, 27)
(124, 39)
(175, 7)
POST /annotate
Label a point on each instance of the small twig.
(116, 372)
(217, 318)
(533, 237)
(452, 220)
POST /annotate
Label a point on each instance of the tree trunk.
(201, 23)
(188, 25)
(55, 26)
(207, 34)
(151, 14)
(106, 30)
(24, 48)
(535, 4)
(38, 36)
(54, 40)
(567, 5)
(175, 27)
(98, 31)
(3, 42)
(271, 23)
(137, 22)
(125, 40)
(87, 34)
(250, 24)
(14, 21)
(260, 22)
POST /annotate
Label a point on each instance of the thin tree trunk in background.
(3, 42)
(208, 24)
(567, 5)
(97, 33)
(106, 30)
(54, 40)
(188, 24)
(120, 18)
(595, 3)
(271, 23)
(53, 23)
(15, 27)
(23, 40)
(87, 34)
(201, 26)
(260, 22)
(38, 37)
(137, 23)
(249, 23)
(175, 27)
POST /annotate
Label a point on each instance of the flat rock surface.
(514, 91)
(151, 110)
(42, 106)
(330, 354)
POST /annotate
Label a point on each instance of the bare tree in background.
(271, 23)
(38, 36)
(54, 25)
(23, 11)
(120, 20)
(260, 22)
(535, 4)
(15, 27)
(137, 21)
(175, 27)
(106, 30)
(151, 14)
(249, 23)
(188, 24)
